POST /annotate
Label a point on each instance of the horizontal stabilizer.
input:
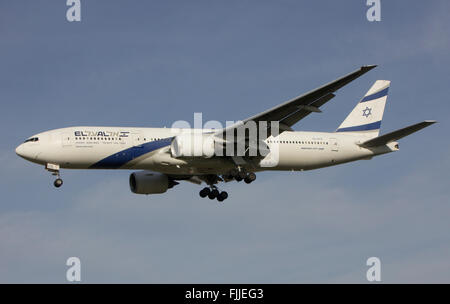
(395, 135)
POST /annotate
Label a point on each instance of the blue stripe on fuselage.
(372, 126)
(377, 95)
(120, 158)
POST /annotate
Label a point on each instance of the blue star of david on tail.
(367, 112)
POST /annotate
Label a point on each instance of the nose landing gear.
(58, 182)
(54, 169)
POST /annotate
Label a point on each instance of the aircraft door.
(334, 147)
(66, 139)
(138, 140)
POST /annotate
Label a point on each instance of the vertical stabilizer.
(365, 119)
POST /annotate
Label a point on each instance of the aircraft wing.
(290, 112)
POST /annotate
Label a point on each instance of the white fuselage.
(149, 149)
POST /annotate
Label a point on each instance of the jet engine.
(147, 182)
(192, 145)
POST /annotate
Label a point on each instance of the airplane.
(165, 156)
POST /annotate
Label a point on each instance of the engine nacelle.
(147, 182)
(192, 145)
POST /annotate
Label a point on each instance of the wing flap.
(306, 110)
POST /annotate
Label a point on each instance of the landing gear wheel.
(239, 175)
(213, 194)
(250, 178)
(222, 196)
(204, 192)
(58, 182)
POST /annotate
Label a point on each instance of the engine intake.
(147, 182)
(192, 145)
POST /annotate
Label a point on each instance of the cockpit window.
(33, 139)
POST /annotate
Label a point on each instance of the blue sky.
(150, 63)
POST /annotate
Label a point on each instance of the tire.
(223, 196)
(58, 183)
(204, 192)
(251, 176)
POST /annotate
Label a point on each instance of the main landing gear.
(54, 169)
(250, 177)
(213, 193)
(241, 175)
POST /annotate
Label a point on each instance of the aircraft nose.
(19, 150)
(25, 152)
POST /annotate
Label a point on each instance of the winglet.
(367, 68)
